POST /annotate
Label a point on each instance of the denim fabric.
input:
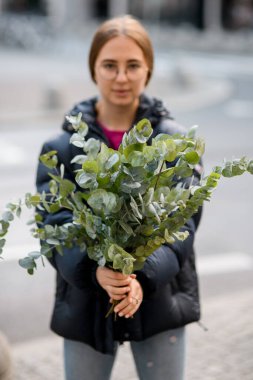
(161, 357)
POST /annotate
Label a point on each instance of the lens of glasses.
(133, 71)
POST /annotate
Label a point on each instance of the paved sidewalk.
(224, 352)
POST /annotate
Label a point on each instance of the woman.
(163, 296)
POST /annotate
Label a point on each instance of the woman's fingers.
(114, 283)
(117, 293)
(108, 277)
(127, 309)
(122, 288)
(129, 305)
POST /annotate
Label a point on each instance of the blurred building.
(202, 14)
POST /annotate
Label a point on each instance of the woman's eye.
(109, 66)
(133, 66)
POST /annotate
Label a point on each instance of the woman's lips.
(121, 92)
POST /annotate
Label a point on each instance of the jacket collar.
(150, 108)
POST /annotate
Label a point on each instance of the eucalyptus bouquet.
(125, 203)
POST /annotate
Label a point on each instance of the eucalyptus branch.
(159, 174)
(119, 188)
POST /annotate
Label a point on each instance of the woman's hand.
(116, 284)
(130, 304)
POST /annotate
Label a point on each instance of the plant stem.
(158, 175)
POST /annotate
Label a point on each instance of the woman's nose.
(121, 75)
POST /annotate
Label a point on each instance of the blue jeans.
(161, 357)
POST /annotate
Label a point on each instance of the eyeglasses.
(134, 71)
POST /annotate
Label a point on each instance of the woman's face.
(121, 71)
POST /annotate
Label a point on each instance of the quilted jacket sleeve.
(165, 263)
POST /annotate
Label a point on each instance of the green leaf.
(142, 131)
(200, 146)
(78, 124)
(102, 201)
(181, 145)
(112, 161)
(7, 216)
(49, 230)
(35, 200)
(53, 187)
(90, 166)
(152, 212)
(149, 196)
(53, 241)
(11, 206)
(27, 263)
(136, 159)
(250, 167)
(181, 235)
(192, 157)
(78, 200)
(2, 243)
(135, 208)
(79, 159)
(132, 148)
(128, 186)
(49, 159)
(35, 255)
(127, 228)
(169, 239)
(146, 230)
(77, 140)
(4, 228)
(192, 132)
(92, 147)
(55, 207)
(66, 187)
(182, 169)
(171, 150)
(121, 259)
(62, 170)
(86, 180)
(18, 211)
(38, 218)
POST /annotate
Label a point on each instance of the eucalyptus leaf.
(66, 187)
(77, 140)
(79, 159)
(192, 131)
(27, 263)
(49, 159)
(103, 201)
(86, 180)
(35, 255)
(2, 243)
(7, 216)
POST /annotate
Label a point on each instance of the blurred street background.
(204, 74)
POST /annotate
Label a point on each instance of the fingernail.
(127, 316)
(120, 314)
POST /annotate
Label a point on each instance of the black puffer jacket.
(168, 278)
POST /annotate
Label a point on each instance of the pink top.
(114, 137)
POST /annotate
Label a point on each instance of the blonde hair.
(118, 26)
